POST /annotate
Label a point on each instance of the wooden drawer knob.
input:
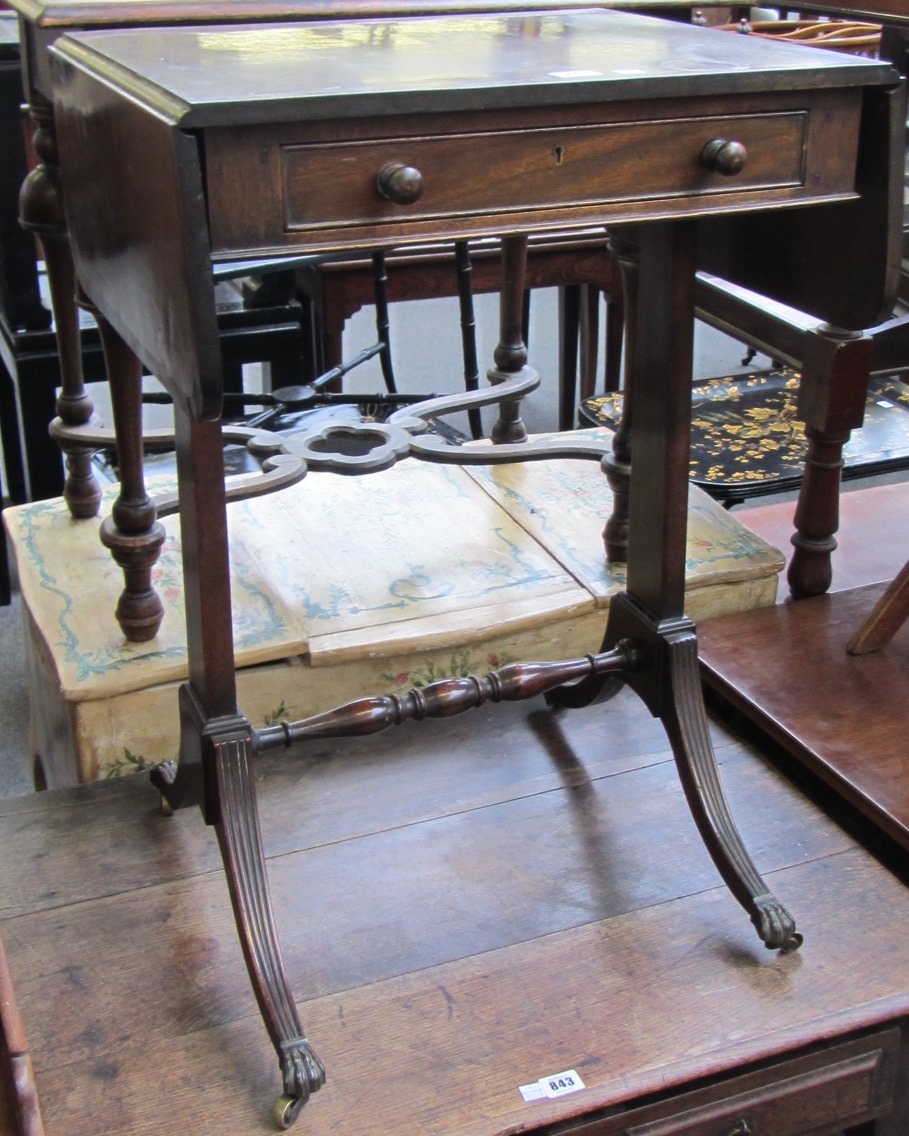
(399, 183)
(724, 156)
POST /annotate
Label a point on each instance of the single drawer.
(819, 1093)
(320, 185)
(494, 172)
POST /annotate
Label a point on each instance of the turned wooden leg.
(569, 341)
(383, 324)
(468, 332)
(41, 213)
(615, 333)
(132, 533)
(834, 385)
(624, 248)
(511, 353)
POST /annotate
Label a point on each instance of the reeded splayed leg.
(240, 840)
(688, 731)
(41, 212)
(217, 751)
(669, 682)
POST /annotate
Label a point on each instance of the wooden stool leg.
(383, 325)
(835, 370)
(569, 341)
(511, 353)
(886, 617)
(617, 466)
(615, 336)
(41, 213)
(468, 332)
(588, 340)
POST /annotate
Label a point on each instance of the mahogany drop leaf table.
(187, 146)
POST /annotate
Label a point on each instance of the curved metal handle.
(724, 156)
(399, 183)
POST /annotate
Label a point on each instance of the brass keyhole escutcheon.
(559, 152)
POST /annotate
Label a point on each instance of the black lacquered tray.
(747, 441)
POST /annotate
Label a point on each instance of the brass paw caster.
(286, 1110)
(167, 808)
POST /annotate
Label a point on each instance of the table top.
(125, 13)
(44, 20)
(454, 927)
(209, 76)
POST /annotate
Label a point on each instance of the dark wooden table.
(343, 136)
(459, 927)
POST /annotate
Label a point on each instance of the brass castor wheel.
(286, 1110)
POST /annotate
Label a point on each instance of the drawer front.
(821, 1093)
(315, 184)
(531, 169)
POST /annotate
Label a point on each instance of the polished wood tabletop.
(43, 21)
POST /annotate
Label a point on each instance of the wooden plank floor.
(845, 718)
(872, 541)
(465, 907)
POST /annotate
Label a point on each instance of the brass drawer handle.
(724, 156)
(399, 183)
(742, 1128)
